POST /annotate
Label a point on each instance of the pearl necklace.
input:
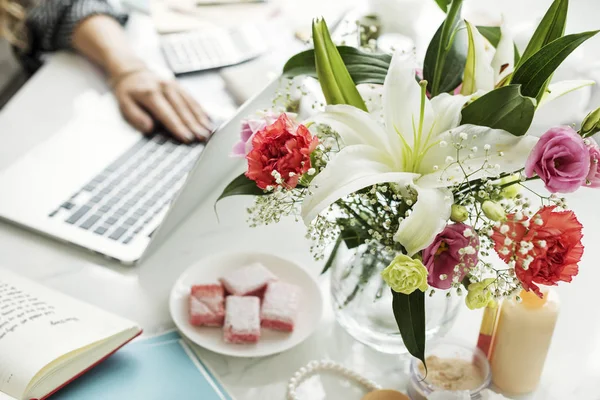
(326, 365)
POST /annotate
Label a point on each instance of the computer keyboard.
(207, 49)
(132, 191)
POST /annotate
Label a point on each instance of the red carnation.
(546, 249)
(280, 154)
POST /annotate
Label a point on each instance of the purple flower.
(456, 245)
(250, 126)
(561, 159)
(593, 178)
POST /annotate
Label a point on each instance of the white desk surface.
(140, 293)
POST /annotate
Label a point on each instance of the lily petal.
(507, 153)
(372, 94)
(479, 74)
(354, 168)
(356, 127)
(504, 59)
(447, 110)
(402, 101)
(558, 89)
(429, 216)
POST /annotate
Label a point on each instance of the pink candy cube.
(248, 281)
(207, 305)
(280, 306)
(242, 319)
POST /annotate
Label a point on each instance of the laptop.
(101, 185)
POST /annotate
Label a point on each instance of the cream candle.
(521, 341)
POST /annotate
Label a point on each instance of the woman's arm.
(142, 95)
(93, 28)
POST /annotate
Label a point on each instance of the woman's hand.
(145, 98)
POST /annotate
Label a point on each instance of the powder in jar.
(451, 373)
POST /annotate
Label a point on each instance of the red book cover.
(89, 368)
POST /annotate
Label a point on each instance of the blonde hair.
(12, 22)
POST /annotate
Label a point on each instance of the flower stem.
(417, 144)
(519, 182)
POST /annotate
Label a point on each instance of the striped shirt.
(50, 25)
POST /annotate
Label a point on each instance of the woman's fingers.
(180, 105)
(163, 111)
(145, 98)
(201, 116)
(135, 115)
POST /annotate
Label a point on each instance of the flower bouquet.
(432, 170)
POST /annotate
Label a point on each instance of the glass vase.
(362, 301)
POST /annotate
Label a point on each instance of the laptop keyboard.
(128, 194)
(206, 49)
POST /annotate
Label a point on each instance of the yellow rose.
(477, 298)
(405, 275)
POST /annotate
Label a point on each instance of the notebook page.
(38, 325)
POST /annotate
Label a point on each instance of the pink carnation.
(280, 154)
(561, 159)
(250, 126)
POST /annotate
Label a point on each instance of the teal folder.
(158, 368)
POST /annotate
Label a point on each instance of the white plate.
(271, 342)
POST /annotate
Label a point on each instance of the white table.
(140, 293)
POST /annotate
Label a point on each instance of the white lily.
(414, 147)
(488, 67)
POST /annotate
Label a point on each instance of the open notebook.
(48, 339)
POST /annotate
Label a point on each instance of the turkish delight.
(248, 281)
(242, 319)
(280, 306)
(207, 305)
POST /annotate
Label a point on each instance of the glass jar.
(420, 389)
(362, 301)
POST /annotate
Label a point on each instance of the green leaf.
(242, 185)
(443, 4)
(493, 35)
(550, 28)
(534, 73)
(363, 67)
(333, 254)
(447, 53)
(503, 108)
(336, 82)
(517, 55)
(409, 311)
